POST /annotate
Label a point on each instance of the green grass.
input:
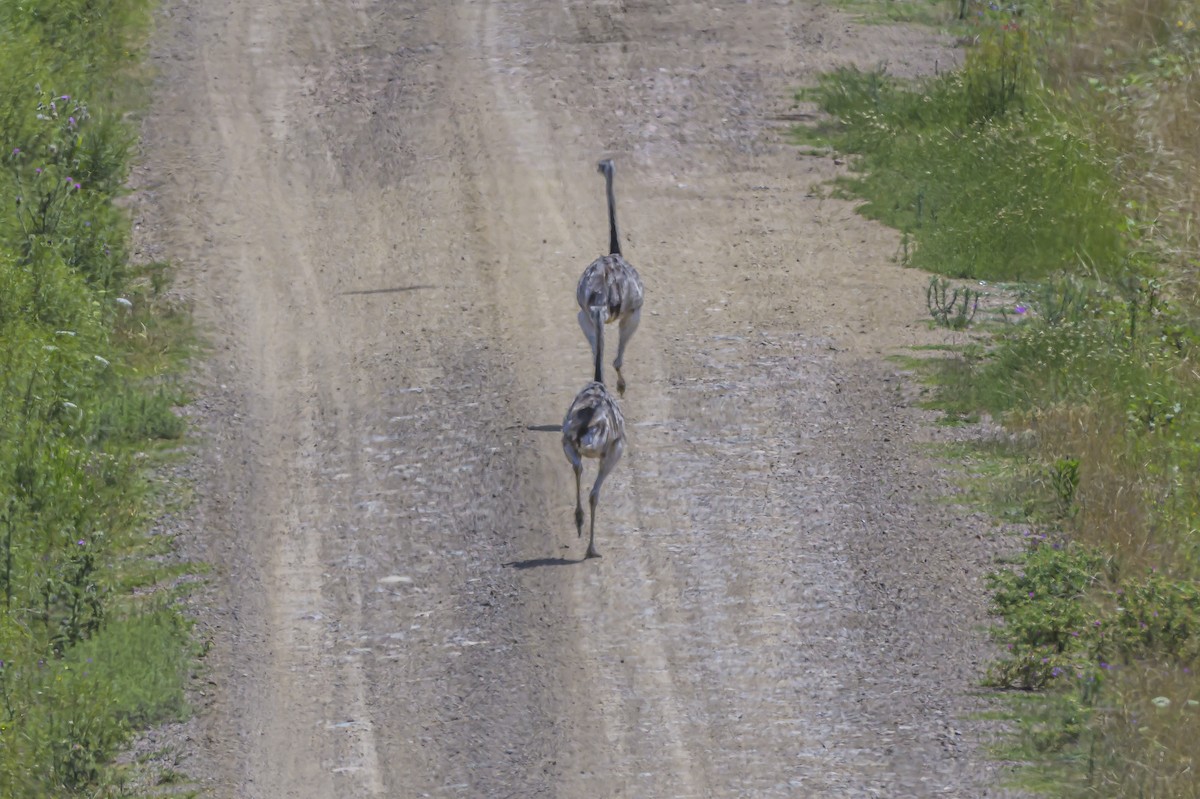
(143, 661)
(1030, 169)
(980, 190)
(89, 387)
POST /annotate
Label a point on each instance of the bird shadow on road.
(533, 563)
(385, 291)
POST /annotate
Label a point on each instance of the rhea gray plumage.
(593, 428)
(611, 283)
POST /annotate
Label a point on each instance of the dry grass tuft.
(1157, 716)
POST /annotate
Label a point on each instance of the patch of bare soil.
(380, 210)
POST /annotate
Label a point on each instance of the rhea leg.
(628, 326)
(607, 462)
(588, 325)
(577, 465)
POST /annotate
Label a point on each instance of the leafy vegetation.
(86, 391)
(1062, 162)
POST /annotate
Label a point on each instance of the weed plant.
(1064, 159)
(84, 394)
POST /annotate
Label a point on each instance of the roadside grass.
(1136, 64)
(1063, 161)
(924, 12)
(93, 645)
(978, 189)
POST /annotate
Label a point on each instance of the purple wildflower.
(16, 151)
(76, 186)
(81, 543)
(1020, 309)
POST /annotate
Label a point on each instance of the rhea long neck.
(614, 244)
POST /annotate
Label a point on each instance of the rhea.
(593, 428)
(611, 284)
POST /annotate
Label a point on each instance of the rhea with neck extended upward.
(611, 284)
(593, 428)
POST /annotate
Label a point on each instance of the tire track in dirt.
(250, 237)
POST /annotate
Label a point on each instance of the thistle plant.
(951, 307)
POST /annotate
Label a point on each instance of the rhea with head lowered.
(612, 285)
(593, 428)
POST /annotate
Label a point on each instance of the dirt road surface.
(380, 211)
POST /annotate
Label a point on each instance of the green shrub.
(1159, 616)
(85, 391)
(1049, 629)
